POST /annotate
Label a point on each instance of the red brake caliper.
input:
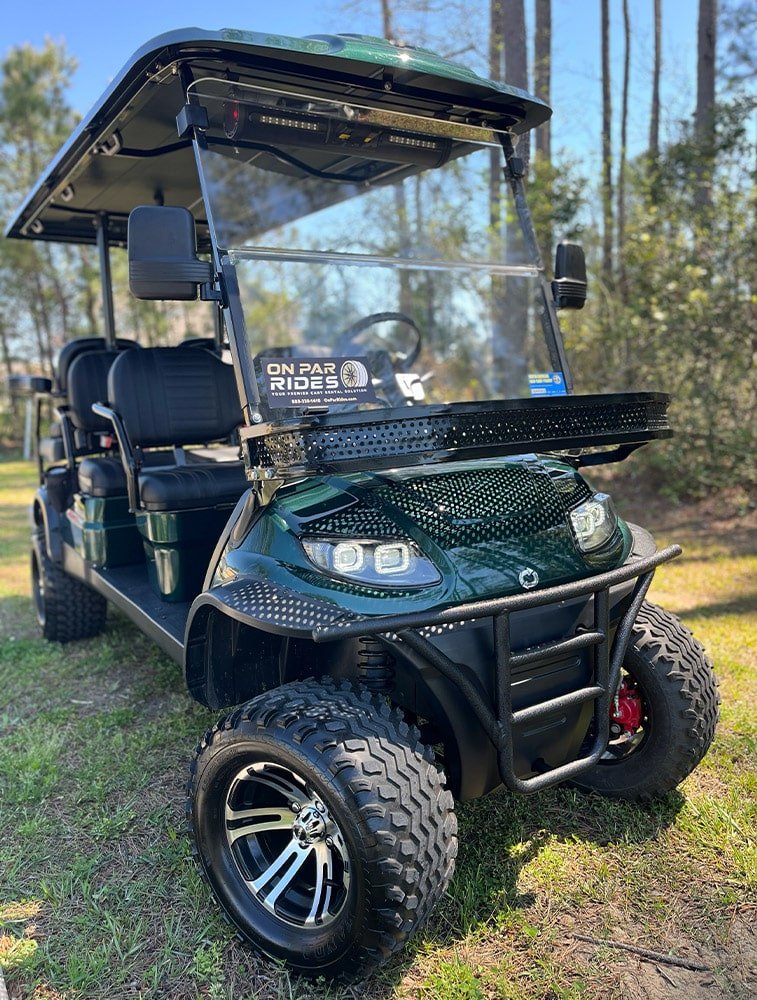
(626, 711)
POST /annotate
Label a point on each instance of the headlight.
(385, 564)
(594, 522)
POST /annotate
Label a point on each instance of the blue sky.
(102, 36)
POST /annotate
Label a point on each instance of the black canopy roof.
(126, 151)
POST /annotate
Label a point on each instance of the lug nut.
(295, 807)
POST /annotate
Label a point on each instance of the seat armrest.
(128, 457)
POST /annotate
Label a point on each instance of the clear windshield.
(376, 263)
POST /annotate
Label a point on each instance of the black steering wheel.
(400, 360)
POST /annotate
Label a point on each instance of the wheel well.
(227, 661)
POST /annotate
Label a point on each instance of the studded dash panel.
(498, 428)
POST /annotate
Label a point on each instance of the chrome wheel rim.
(288, 849)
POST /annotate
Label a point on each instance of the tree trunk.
(513, 35)
(622, 165)
(654, 117)
(543, 74)
(543, 134)
(704, 118)
(400, 197)
(8, 366)
(607, 214)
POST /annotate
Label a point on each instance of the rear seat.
(86, 383)
(51, 447)
(176, 397)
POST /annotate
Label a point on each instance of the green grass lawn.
(99, 896)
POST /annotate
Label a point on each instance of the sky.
(102, 37)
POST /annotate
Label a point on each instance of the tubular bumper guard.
(498, 725)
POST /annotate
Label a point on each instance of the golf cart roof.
(126, 151)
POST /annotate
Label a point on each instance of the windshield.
(376, 260)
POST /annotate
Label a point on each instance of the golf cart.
(355, 510)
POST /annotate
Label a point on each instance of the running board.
(128, 588)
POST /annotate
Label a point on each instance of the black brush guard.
(499, 724)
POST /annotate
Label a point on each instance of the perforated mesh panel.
(278, 609)
(463, 507)
(500, 428)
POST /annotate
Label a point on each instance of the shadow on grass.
(499, 835)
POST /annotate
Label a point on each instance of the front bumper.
(627, 585)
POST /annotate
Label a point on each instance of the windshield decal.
(295, 382)
(547, 384)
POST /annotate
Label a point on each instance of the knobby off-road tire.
(370, 805)
(66, 608)
(679, 694)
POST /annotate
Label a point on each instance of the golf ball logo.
(354, 375)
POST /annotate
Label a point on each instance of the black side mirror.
(569, 286)
(163, 262)
(29, 385)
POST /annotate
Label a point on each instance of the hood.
(490, 527)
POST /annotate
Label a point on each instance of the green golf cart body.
(355, 508)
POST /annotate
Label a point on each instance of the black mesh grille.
(464, 507)
(496, 428)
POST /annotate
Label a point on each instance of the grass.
(99, 897)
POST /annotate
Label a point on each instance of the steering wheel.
(400, 360)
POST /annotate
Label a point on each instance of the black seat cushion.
(105, 477)
(167, 396)
(187, 486)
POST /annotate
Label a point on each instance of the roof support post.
(101, 224)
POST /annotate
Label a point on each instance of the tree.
(513, 34)
(704, 116)
(543, 73)
(623, 146)
(607, 213)
(654, 117)
(35, 119)
(400, 198)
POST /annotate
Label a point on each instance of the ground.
(99, 897)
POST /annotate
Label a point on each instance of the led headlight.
(383, 564)
(594, 522)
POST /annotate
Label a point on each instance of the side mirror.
(569, 286)
(162, 247)
(29, 385)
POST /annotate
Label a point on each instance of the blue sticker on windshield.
(547, 384)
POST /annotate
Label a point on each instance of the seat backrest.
(201, 343)
(88, 384)
(174, 397)
(81, 345)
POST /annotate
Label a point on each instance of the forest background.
(668, 231)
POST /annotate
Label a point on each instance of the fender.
(46, 522)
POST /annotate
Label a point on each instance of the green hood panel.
(485, 525)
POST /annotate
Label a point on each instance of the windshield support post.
(513, 172)
(106, 281)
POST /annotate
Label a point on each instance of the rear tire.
(350, 835)
(66, 608)
(679, 693)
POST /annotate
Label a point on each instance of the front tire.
(322, 826)
(670, 672)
